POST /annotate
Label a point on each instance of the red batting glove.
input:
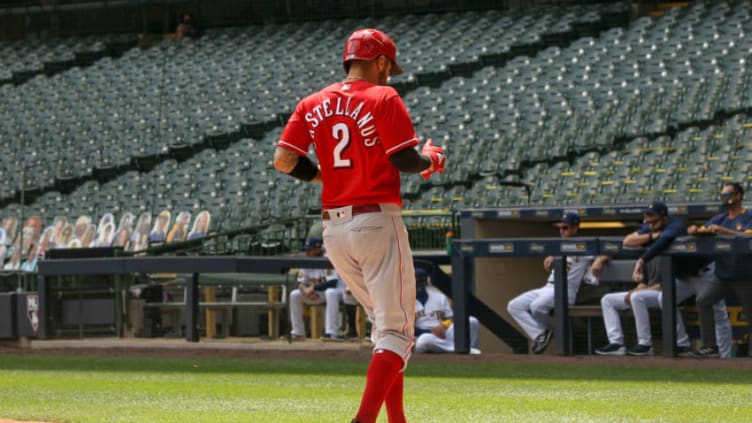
(437, 156)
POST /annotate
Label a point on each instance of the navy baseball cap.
(656, 208)
(571, 218)
(312, 243)
(420, 275)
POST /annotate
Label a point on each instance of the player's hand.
(548, 263)
(437, 156)
(627, 298)
(692, 229)
(596, 268)
(637, 273)
(439, 331)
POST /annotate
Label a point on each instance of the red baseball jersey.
(354, 127)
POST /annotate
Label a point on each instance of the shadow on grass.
(358, 368)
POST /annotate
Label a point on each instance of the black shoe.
(640, 350)
(293, 337)
(683, 351)
(706, 352)
(611, 349)
(541, 342)
(331, 337)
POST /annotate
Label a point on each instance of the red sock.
(382, 372)
(393, 400)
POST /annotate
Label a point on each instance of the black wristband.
(305, 170)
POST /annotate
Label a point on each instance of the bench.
(276, 302)
(317, 320)
(615, 272)
(225, 309)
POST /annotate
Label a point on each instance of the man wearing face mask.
(734, 273)
(434, 330)
(693, 274)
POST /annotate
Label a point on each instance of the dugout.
(499, 279)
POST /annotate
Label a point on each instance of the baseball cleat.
(293, 337)
(706, 352)
(474, 351)
(640, 350)
(682, 351)
(330, 337)
(611, 349)
(541, 342)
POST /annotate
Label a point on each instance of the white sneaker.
(474, 351)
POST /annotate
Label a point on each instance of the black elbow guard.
(305, 170)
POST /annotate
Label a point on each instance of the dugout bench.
(223, 296)
(190, 268)
(464, 252)
(615, 273)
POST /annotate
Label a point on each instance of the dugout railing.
(188, 267)
(465, 252)
(498, 278)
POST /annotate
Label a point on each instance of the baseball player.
(732, 273)
(364, 138)
(434, 330)
(695, 273)
(531, 308)
(318, 286)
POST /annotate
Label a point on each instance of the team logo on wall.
(32, 311)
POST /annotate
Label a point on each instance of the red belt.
(356, 210)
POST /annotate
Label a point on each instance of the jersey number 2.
(341, 133)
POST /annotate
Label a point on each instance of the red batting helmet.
(368, 44)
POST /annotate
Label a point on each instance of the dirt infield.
(254, 348)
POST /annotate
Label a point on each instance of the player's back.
(355, 126)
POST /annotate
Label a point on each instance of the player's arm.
(329, 283)
(722, 230)
(662, 240)
(638, 238)
(295, 165)
(398, 137)
(430, 159)
(408, 160)
(597, 266)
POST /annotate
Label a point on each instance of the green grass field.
(182, 390)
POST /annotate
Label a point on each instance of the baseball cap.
(656, 207)
(420, 275)
(312, 243)
(571, 218)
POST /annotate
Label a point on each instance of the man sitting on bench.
(531, 308)
(319, 286)
(656, 234)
